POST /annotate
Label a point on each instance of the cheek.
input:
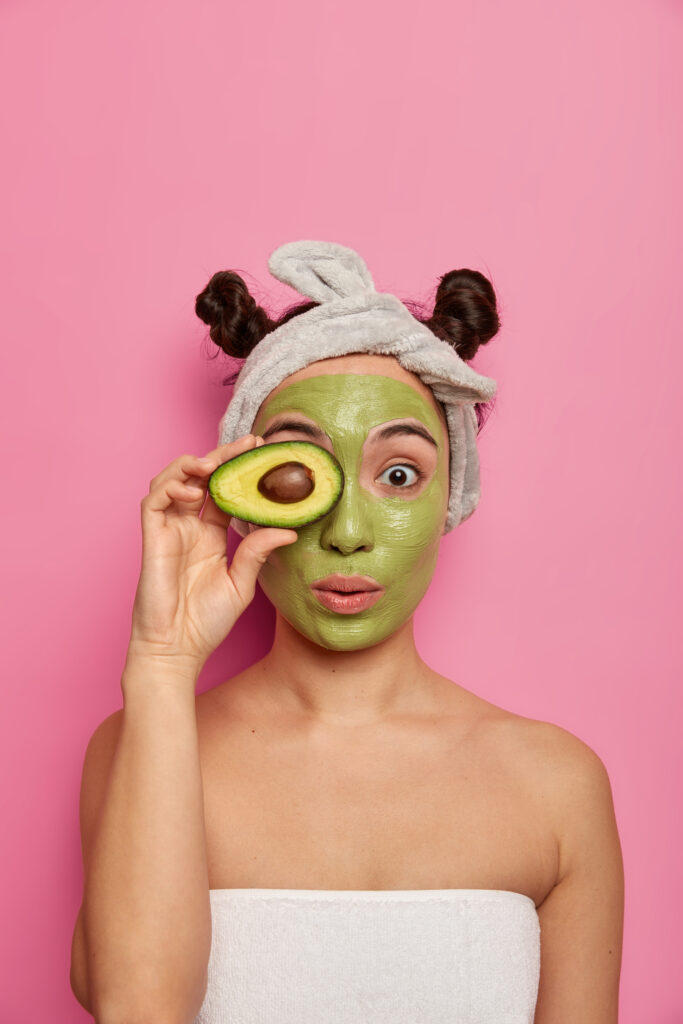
(410, 531)
(418, 522)
(407, 544)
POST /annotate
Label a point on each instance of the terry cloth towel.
(353, 317)
(434, 956)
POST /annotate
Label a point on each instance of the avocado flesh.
(234, 485)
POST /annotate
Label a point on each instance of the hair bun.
(237, 323)
(465, 311)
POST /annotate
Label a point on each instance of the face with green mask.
(393, 447)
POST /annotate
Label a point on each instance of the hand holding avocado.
(188, 598)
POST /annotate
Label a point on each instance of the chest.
(376, 809)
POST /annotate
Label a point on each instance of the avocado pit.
(287, 483)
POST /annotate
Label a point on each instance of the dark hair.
(464, 314)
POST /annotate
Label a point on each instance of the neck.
(344, 687)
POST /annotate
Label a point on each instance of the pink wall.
(149, 144)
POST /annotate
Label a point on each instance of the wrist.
(145, 661)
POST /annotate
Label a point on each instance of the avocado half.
(285, 484)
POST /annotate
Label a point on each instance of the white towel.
(433, 956)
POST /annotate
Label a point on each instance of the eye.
(400, 475)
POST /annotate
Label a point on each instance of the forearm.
(146, 900)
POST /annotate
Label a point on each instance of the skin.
(302, 682)
(389, 520)
(362, 768)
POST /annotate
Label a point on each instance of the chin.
(343, 635)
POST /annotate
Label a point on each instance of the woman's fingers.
(183, 468)
(251, 554)
(196, 469)
(159, 502)
(212, 515)
(181, 487)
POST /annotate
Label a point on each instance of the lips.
(346, 584)
(347, 595)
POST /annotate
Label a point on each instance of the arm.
(142, 940)
(143, 935)
(582, 917)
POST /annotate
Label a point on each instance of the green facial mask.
(385, 533)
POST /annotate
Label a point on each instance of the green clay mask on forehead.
(387, 525)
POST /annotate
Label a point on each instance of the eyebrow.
(282, 423)
(404, 428)
(392, 430)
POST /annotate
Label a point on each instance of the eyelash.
(404, 465)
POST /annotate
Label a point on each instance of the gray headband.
(353, 317)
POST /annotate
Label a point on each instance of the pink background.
(150, 144)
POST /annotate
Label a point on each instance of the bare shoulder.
(571, 780)
(565, 773)
(581, 918)
(564, 760)
(97, 762)
(101, 746)
(105, 734)
(555, 754)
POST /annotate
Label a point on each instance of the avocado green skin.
(391, 538)
(261, 519)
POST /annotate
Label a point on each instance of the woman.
(338, 833)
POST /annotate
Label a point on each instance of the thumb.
(251, 554)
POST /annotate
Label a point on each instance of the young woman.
(338, 833)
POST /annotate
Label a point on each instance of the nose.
(348, 527)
